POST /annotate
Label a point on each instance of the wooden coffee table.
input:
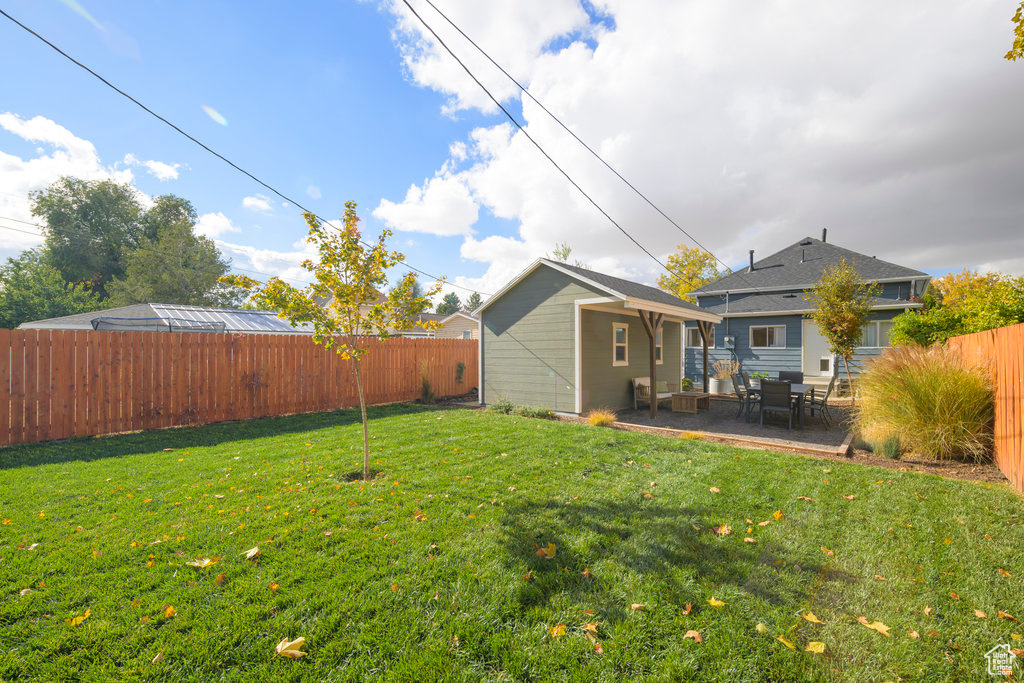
(690, 401)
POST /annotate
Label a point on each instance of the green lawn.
(107, 525)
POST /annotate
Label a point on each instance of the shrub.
(426, 389)
(686, 384)
(502, 406)
(601, 417)
(938, 404)
(539, 413)
(891, 448)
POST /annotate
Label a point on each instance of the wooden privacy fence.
(1004, 349)
(56, 384)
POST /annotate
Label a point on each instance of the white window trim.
(467, 334)
(659, 347)
(878, 335)
(750, 331)
(711, 341)
(616, 326)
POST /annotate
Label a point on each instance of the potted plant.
(756, 377)
(686, 384)
(721, 376)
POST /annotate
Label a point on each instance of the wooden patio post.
(705, 332)
(652, 323)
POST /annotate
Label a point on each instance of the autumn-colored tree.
(842, 302)
(349, 277)
(1017, 51)
(692, 268)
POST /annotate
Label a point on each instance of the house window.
(467, 334)
(876, 334)
(768, 337)
(658, 345)
(693, 338)
(620, 344)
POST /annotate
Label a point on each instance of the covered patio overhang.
(652, 315)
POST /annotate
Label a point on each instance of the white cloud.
(68, 155)
(314, 192)
(159, 169)
(214, 225)
(284, 264)
(442, 206)
(258, 203)
(750, 134)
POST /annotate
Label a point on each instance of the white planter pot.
(755, 384)
(720, 386)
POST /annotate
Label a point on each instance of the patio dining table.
(801, 392)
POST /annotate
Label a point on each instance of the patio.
(720, 421)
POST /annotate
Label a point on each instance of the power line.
(204, 146)
(530, 138)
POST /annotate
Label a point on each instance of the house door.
(817, 360)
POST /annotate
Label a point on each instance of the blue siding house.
(766, 323)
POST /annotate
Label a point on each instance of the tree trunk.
(366, 429)
(849, 380)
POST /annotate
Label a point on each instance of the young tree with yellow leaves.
(692, 268)
(343, 304)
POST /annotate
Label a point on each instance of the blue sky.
(751, 126)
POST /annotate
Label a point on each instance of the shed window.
(768, 337)
(658, 346)
(467, 334)
(620, 344)
(693, 340)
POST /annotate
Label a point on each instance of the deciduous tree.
(692, 268)
(32, 289)
(1017, 50)
(349, 275)
(842, 302)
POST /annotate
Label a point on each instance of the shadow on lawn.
(656, 541)
(85, 449)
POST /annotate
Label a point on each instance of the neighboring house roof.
(464, 314)
(799, 266)
(177, 316)
(631, 293)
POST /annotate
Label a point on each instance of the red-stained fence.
(1003, 348)
(56, 384)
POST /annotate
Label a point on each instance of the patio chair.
(791, 376)
(776, 397)
(822, 404)
(747, 396)
(642, 391)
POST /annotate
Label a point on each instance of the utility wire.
(530, 138)
(204, 146)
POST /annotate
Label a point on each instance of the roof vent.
(824, 234)
(751, 260)
(806, 243)
(789, 296)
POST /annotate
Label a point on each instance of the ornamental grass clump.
(938, 404)
(601, 417)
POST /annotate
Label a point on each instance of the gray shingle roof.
(628, 288)
(799, 266)
(234, 319)
(772, 302)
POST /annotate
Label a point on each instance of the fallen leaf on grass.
(879, 577)
(204, 562)
(714, 602)
(815, 647)
(764, 523)
(75, 622)
(748, 539)
(850, 497)
(528, 576)
(761, 628)
(252, 553)
(981, 615)
(875, 626)
(687, 609)
(954, 596)
(715, 489)
(1004, 615)
(220, 579)
(785, 641)
(586, 573)
(159, 657)
(291, 649)
(811, 618)
(695, 635)
(598, 649)
(723, 530)
(914, 634)
(807, 498)
(927, 610)
(273, 587)
(827, 551)
(169, 611)
(548, 551)
(778, 515)
(647, 495)
(590, 630)
(638, 607)
(419, 516)
(1005, 573)
(557, 631)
